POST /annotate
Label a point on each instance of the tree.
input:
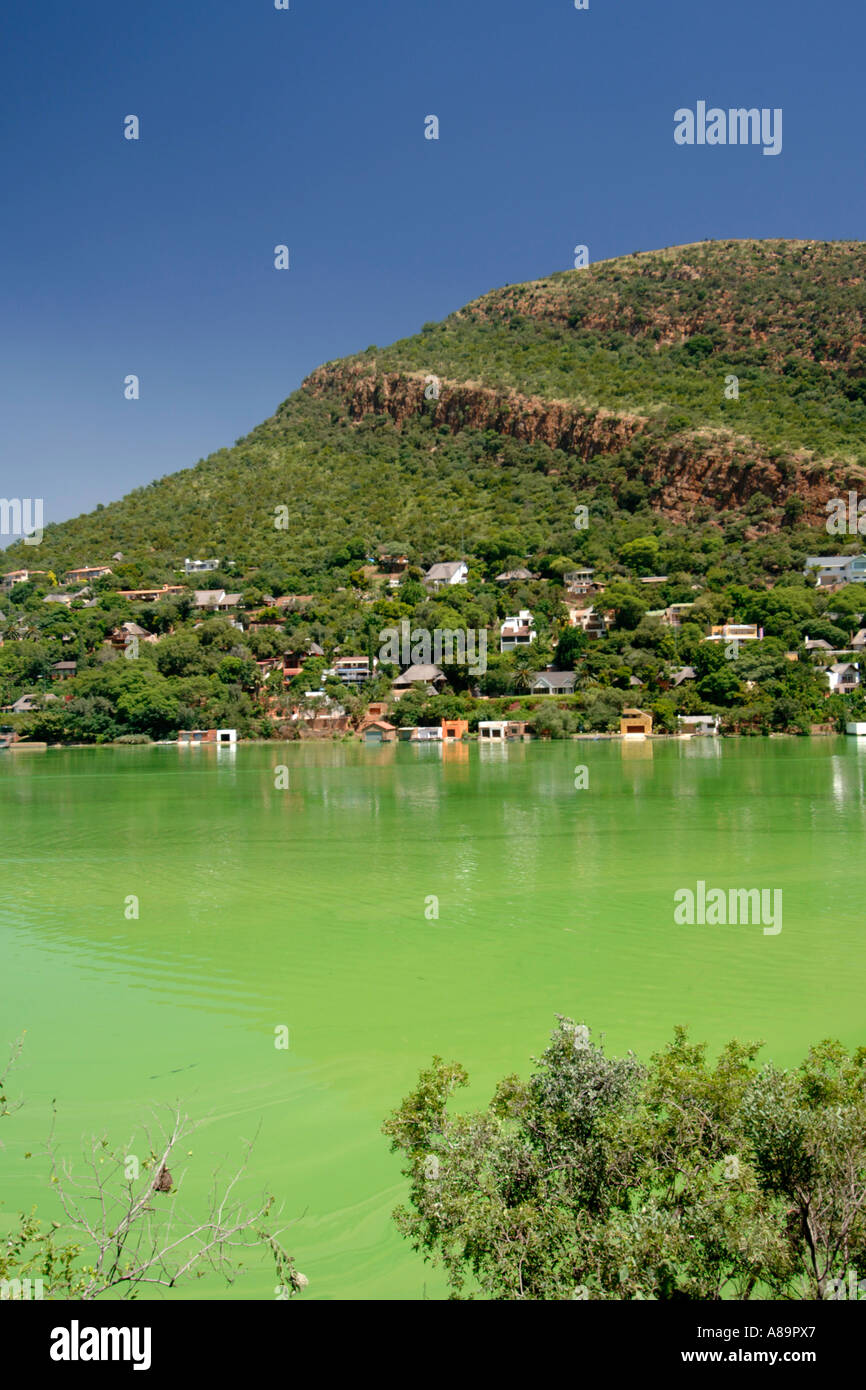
(569, 648)
(604, 1178)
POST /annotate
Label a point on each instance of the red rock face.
(690, 471)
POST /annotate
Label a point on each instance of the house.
(293, 664)
(122, 636)
(514, 576)
(430, 676)
(856, 727)
(64, 670)
(454, 728)
(635, 723)
(736, 632)
(500, 730)
(685, 673)
(817, 644)
(673, 615)
(268, 665)
(518, 631)
(86, 574)
(200, 566)
(420, 733)
(579, 581)
(843, 677)
(832, 571)
(554, 683)
(858, 641)
(13, 577)
(152, 595)
(394, 563)
(25, 704)
(215, 600)
(293, 601)
(65, 599)
(379, 731)
(351, 670)
(377, 709)
(692, 724)
(450, 572)
(589, 620)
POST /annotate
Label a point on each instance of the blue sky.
(306, 127)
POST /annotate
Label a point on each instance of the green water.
(305, 907)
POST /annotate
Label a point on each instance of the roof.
(446, 570)
(859, 638)
(840, 666)
(419, 673)
(685, 673)
(513, 574)
(817, 643)
(134, 630)
(65, 666)
(828, 562)
(556, 679)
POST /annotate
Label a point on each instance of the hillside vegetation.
(702, 403)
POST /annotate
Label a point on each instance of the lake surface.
(308, 907)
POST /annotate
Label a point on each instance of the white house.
(449, 572)
(829, 571)
(736, 632)
(492, 729)
(843, 676)
(518, 631)
(200, 566)
(689, 724)
(215, 600)
(554, 683)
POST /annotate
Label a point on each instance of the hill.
(604, 385)
(672, 422)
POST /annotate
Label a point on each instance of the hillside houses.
(843, 676)
(588, 618)
(86, 574)
(554, 683)
(443, 575)
(517, 631)
(736, 632)
(215, 600)
(579, 581)
(831, 572)
(13, 577)
(430, 677)
(673, 616)
(153, 595)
